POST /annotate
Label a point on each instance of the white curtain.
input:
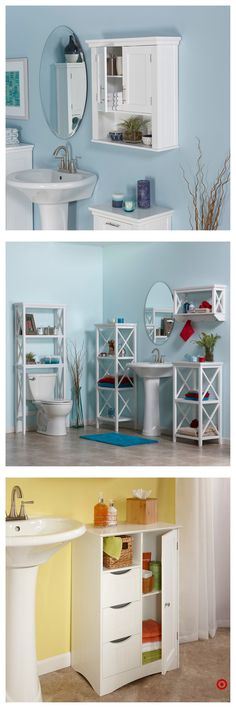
(195, 512)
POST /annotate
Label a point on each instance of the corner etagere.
(214, 294)
(205, 378)
(55, 314)
(116, 403)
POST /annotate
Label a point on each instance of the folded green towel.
(112, 545)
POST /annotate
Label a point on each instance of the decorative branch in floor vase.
(75, 361)
(207, 202)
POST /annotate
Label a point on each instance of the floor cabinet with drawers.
(108, 606)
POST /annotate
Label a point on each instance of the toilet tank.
(40, 387)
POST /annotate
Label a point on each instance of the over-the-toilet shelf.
(135, 76)
(49, 352)
(116, 394)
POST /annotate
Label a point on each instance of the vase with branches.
(75, 361)
(208, 342)
(207, 202)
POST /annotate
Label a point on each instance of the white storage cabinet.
(148, 87)
(116, 404)
(54, 344)
(203, 377)
(19, 210)
(108, 218)
(214, 294)
(70, 100)
(108, 607)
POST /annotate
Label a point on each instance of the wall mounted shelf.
(214, 294)
(147, 86)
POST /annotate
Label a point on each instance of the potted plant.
(30, 358)
(132, 128)
(208, 342)
(75, 360)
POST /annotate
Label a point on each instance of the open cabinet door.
(169, 600)
(101, 93)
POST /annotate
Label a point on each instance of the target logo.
(222, 684)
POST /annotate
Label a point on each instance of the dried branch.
(75, 360)
(207, 204)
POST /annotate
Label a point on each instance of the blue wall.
(203, 97)
(98, 282)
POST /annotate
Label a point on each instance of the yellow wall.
(75, 497)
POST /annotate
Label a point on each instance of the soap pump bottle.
(100, 512)
(112, 514)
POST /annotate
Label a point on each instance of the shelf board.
(183, 316)
(120, 358)
(41, 366)
(124, 567)
(205, 401)
(154, 592)
(111, 419)
(113, 388)
(43, 336)
(137, 146)
(191, 437)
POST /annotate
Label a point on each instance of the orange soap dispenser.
(100, 512)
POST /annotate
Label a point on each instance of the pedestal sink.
(29, 543)
(52, 191)
(151, 373)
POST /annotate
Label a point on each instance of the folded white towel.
(151, 646)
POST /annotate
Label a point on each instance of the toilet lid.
(55, 402)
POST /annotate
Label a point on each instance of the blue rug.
(119, 439)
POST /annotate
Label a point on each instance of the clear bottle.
(100, 512)
(111, 514)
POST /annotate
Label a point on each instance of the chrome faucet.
(66, 164)
(157, 356)
(16, 493)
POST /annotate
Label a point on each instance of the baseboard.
(223, 623)
(54, 663)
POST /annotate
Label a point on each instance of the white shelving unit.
(153, 317)
(108, 606)
(116, 404)
(44, 315)
(203, 377)
(214, 294)
(148, 87)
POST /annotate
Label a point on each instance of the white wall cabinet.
(147, 86)
(19, 210)
(71, 95)
(108, 218)
(108, 607)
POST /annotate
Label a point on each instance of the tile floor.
(201, 665)
(40, 450)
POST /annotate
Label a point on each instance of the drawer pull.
(117, 641)
(110, 223)
(118, 607)
(121, 572)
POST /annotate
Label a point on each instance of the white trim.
(132, 41)
(54, 663)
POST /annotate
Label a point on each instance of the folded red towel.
(187, 331)
(111, 379)
(206, 304)
(151, 630)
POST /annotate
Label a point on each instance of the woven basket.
(126, 556)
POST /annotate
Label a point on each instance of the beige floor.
(39, 450)
(202, 664)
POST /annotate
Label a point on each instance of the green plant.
(207, 202)
(30, 358)
(208, 342)
(132, 128)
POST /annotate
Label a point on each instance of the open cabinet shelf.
(212, 294)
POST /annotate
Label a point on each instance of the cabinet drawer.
(121, 656)
(121, 586)
(109, 224)
(121, 620)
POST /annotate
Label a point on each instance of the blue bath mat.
(119, 439)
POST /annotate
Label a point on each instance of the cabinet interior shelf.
(154, 592)
(117, 570)
(205, 401)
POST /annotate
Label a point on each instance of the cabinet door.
(101, 90)
(169, 600)
(137, 66)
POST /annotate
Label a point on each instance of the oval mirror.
(158, 313)
(63, 82)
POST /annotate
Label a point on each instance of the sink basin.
(52, 190)
(32, 542)
(151, 373)
(28, 544)
(150, 370)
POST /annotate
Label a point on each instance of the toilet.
(52, 412)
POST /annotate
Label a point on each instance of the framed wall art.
(17, 89)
